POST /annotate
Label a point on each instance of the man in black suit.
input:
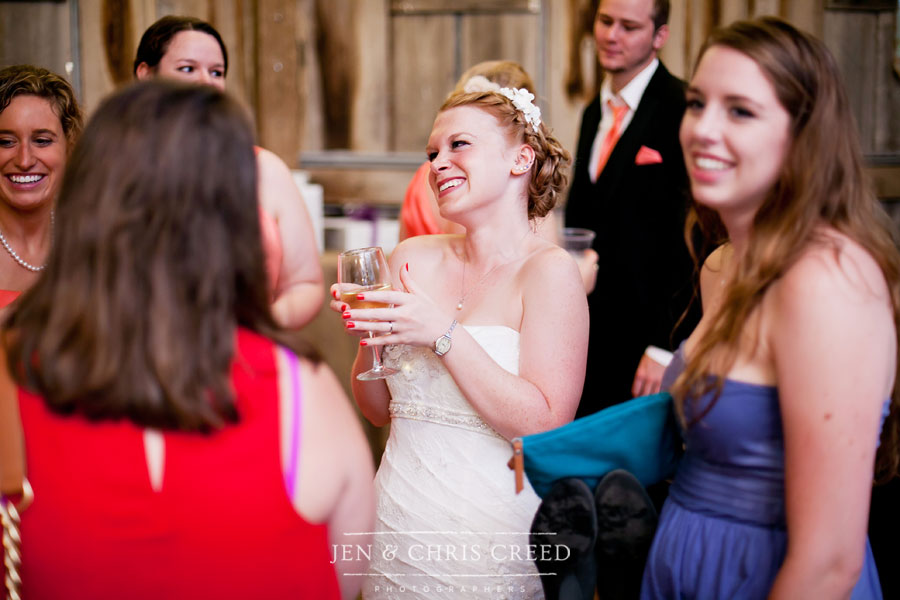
(636, 201)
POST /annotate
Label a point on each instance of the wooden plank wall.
(38, 33)
(691, 20)
(102, 22)
(368, 75)
(863, 43)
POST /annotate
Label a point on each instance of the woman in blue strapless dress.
(786, 383)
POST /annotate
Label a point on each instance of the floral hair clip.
(521, 98)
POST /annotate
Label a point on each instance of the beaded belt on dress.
(441, 416)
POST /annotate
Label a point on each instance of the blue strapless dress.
(722, 529)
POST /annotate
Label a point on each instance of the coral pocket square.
(647, 156)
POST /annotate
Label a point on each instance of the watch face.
(442, 345)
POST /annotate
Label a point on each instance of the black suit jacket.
(645, 277)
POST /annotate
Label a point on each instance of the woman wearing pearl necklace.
(39, 121)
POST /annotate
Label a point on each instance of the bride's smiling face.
(471, 159)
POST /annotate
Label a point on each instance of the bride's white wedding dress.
(448, 521)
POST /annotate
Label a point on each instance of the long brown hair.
(157, 259)
(821, 181)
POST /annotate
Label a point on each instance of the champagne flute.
(359, 271)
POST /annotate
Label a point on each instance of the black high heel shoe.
(563, 532)
(627, 521)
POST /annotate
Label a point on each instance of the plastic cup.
(576, 239)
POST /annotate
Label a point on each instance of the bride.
(489, 339)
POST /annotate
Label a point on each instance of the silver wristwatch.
(442, 344)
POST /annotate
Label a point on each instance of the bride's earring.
(525, 156)
(523, 168)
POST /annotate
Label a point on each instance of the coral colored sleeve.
(7, 296)
(416, 212)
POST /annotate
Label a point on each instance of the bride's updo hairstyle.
(549, 173)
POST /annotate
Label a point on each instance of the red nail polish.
(363, 343)
(334, 293)
(345, 307)
(346, 315)
(407, 267)
(350, 324)
(360, 296)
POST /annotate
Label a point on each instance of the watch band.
(442, 344)
(452, 327)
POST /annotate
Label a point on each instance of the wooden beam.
(464, 6)
(277, 110)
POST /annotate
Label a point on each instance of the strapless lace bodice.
(444, 485)
(423, 389)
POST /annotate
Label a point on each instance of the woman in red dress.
(177, 447)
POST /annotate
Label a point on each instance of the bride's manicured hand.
(341, 307)
(413, 319)
(336, 305)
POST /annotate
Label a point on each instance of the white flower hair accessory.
(522, 100)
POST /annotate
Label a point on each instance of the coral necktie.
(612, 136)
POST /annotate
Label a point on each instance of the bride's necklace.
(462, 285)
(19, 259)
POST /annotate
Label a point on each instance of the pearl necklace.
(17, 258)
(462, 286)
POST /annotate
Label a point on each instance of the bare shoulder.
(833, 268)
(829, 322)
(712, 274)
(551, 266)
(269, 163)
(715, 266)
(549, 257)
(278, 193)
(424, 250)
(322, 387)
(716, 261)
(329, 428)
(330, 409)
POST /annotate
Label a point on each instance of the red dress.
(222, 526)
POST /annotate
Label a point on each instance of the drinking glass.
(576, 239)
(359, 271)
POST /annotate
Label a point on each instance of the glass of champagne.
(359, 271)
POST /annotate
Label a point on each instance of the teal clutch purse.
(640, 435)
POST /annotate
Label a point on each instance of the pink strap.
(290, 475)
